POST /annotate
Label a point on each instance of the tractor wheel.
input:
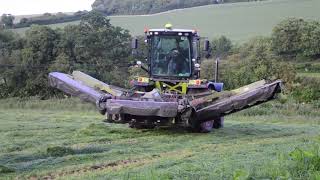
(206, 127)
(198, 127)
(218, 123)
(103, 111)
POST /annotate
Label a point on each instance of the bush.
(307, 90)
(255, 61)
(305, 163)
(221, 47)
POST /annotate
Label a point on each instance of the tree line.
(7, 20)
(93, 46)
(131, 7)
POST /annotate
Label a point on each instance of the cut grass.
(70, 143)
(238, 21)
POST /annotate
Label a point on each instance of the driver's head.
(175, 52)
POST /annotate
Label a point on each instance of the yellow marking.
(143, 80)
(195, 82)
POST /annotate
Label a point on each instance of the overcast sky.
(25, 7)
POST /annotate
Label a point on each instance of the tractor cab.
(173, 58)
(171, 53)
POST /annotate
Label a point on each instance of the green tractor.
(173, 93)
(173, 65)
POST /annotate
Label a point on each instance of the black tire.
(197, 127)
(103, 111)
(218, 123)
(206, 127)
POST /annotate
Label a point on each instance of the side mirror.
(134, 43)
(206, 45)
(140, 64)
(197, 67)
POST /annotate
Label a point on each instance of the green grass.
(311, 75)
(238, 21)
(54, 139)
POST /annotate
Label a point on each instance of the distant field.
(65, 139)
(238, 21)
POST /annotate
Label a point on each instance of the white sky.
(27, 7)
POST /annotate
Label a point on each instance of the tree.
(310, 39)
(101, 46)
(36, 57)
(262, 63)
(94, 46)
(286, 37)
(95, 20)
(9, 49)
(23, 20)
(221, 46)
(7, 20)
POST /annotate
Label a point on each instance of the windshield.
(170, 56)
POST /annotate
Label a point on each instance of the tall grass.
(301, 163)
(73, 104)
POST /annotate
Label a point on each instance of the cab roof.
(172, 30)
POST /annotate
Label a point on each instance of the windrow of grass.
(55, 139)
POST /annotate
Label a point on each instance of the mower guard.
(249, 97)
(142, 108)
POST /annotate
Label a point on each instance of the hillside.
(238, 21)
(131, 7)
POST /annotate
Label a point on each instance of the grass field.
(238, 21)
(312, 75)
(53, 139)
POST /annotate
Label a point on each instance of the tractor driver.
(177, 62)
